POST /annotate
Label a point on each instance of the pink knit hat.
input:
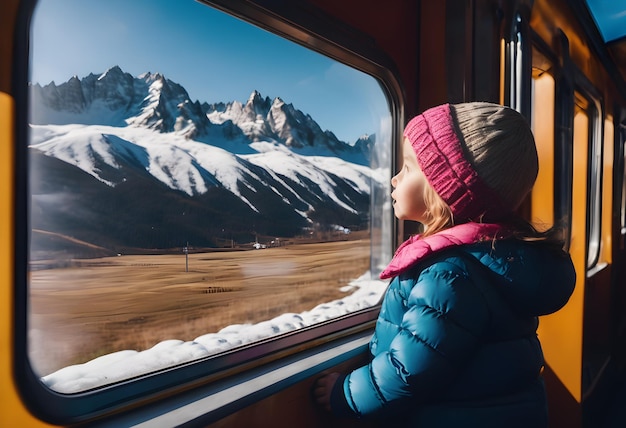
(480, 158)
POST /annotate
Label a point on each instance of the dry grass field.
(103, 305)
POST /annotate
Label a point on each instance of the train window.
(542, 122)
(606, 162)
(588, 157)
(197, 184)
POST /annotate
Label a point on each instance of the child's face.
(409, 184)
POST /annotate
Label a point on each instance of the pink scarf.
(417, 248)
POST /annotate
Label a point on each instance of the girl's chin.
(399, 216)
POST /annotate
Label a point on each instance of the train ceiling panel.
(609, 17)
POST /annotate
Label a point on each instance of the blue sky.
(610, 16)
(193, 45)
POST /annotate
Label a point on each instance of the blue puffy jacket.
(455, 344)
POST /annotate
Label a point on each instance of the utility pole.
(186, 251)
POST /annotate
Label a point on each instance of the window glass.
(542, 122)
(196, 184)
(579, 184)
(595, 179)
(607, 161)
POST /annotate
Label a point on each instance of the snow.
(172, 159)
(192, 166)
(278, 161)
(126, 364)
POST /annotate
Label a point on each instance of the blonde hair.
(439, 217)
(438, 213)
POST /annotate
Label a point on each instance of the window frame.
(518, 64)
(297, 24)
(620, 182)
(564, 142)
(595, 156)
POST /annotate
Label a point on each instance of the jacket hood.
(535, 278)
(418, 248)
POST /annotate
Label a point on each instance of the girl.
(455, 343)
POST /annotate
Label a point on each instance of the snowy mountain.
(262, 119)
(152, 101)
(125, 161)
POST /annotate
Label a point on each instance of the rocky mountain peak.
(153, 101)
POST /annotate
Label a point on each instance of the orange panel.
(12, 410)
